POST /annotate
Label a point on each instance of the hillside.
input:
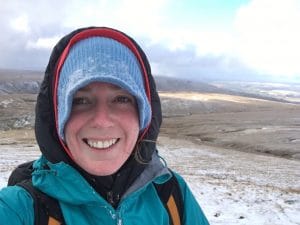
(203, 113)
(19, 81)
(28, 82)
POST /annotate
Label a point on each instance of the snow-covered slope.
(232, 187)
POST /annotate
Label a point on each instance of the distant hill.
(28, 82)
(22, 75)
(18, 90)
(19, 81)
(170, 84)
(25, 81)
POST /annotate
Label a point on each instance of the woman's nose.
(102, 115)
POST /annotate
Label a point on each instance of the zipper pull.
(112, 199)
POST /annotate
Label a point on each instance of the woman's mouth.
(101, 144)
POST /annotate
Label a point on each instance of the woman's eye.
(124, 99)
(80, 101)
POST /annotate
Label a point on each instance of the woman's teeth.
(101, 144)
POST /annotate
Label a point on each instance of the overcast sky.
(187, 38)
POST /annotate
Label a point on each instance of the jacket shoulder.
(16, 206)
(193, 214)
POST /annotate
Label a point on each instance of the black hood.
(45, 124)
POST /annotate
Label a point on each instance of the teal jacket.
(82, 205)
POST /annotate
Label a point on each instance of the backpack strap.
(20, 173)
(46, 209)
(171, 196)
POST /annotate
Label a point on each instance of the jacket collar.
(63, 182)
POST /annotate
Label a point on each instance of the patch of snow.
(23, 122)
(13, 155)
(236, 187)
(6, 102)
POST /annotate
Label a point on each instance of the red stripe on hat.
(100, 32)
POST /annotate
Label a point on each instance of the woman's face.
(103, 128)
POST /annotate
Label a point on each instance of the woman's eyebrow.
(84, 89)
(117, 87)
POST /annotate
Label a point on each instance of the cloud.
(25, 27)
(20, 24)
(31, 28)
(136, 17)
(267, 36)
(186, 63)
(263, 39)
(42, 43)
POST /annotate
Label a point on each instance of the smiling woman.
(98, 116)
(102, 129)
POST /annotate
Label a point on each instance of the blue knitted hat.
(105, 60)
